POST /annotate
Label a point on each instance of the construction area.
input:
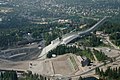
(28, 52)
(65, 65)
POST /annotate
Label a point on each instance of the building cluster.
(52, 11)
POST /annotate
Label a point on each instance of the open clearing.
(55, 66)
(9, 65)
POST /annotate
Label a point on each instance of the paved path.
(113, 45)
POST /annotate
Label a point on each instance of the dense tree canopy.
(12, 75)
(62, 49)
(109, 73)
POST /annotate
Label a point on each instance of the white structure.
(66, 39)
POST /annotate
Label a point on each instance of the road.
(22, 53)
(113, 45)
(91, 72)
(28, 47)
(68, 38)
(47, 49)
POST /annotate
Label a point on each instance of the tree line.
(91, 41)
(63, 49)
(100, 55)
(12, 75)
(109, 73)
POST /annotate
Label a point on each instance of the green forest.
(109, 73)
(112, 28)
(100, 55)
(62, 49)
(12, 75)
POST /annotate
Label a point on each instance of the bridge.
(68, 38)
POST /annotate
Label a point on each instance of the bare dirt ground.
(62, 67)
(9, 65)
(59, 65)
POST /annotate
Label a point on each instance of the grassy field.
(73, 62)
